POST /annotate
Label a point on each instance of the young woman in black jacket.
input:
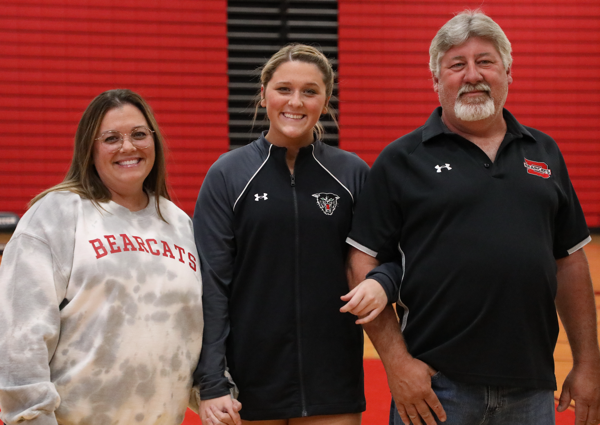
(271, 223)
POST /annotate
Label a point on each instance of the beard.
(474, 109)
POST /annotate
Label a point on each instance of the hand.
(583, 386)
(410, 383)
(366, 301)
(221, 410)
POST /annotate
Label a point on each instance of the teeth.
(296, 117)
(129, 162)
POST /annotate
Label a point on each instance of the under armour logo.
(439, 168)
(257, 197)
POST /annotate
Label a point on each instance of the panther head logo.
(327, 202)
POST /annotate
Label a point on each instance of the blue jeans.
(467, 404)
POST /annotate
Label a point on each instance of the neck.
(487, 134)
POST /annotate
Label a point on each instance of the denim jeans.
(467, 404)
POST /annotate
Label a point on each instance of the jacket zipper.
(297, 290)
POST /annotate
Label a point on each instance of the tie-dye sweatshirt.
(100, 314)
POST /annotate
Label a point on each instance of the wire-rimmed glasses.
(140, 137)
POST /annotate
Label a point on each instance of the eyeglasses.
(140, 138)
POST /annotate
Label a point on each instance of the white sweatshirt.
(123, 350)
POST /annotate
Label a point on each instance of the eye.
(140, 133)
(310, 91)
(110, 137)
(457, 65)
(283, 89)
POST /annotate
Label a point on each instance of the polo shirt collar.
(434, 126)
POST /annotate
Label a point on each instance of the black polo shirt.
(479, 242)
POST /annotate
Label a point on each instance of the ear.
(436, 82)
(509, 76)
(324, 111)
(263, 101)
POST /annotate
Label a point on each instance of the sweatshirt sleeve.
(213, 230)
(389, 275)
(32, 285)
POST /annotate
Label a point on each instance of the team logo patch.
(539, 169)
(439, 167)
(327, 202)
(258, 197)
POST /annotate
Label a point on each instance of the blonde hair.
(300, 53)
(467, 24)
(82, 177)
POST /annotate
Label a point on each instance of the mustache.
(467, 88)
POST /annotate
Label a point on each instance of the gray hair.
(467, 24)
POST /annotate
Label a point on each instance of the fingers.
(233, 410)
(237, 406)
(413, 415)
(565, 399)
(355, 300)
(218, 417)
(581, 414)
(349, 295)
(403, 414)
(369, 317)
(434, 404)
(592, 416)
(417, 415)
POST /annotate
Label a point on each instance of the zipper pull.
(293, 177)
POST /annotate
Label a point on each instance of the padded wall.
(57, 55)
(385, 87)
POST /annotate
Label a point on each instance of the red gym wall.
(385, 87)
(57, 55)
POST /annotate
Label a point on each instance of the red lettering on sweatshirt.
(181, 252)
(99, 248)
(127, 243)
(140, 242)
(167, 249)
(150, 246)
(112, 243)
(192, 262)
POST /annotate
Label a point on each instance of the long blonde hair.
(82, 177)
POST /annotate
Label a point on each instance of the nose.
(295, 100)
(472, 74)
(127, 144)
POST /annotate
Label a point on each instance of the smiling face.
(295, 98)
(124, 171)
(472, 84)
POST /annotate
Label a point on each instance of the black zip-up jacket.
(273, 254)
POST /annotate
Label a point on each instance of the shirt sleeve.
(571, 230)
(213, 230)
(377, 220)
(32, 285)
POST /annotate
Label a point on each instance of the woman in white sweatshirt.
(100, 288)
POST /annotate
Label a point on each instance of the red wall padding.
(385, 86)
(57, 55)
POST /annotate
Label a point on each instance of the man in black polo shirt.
(489, 233)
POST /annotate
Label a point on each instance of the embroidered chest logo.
(257, 197)
(327, 202)
(539, 169)
(439, 167)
